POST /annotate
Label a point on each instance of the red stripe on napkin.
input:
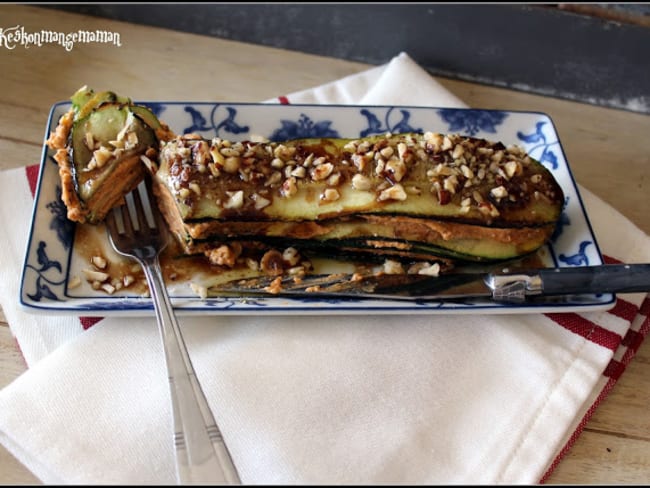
(611, 260)
(88, 322)
(625, 310)
(632, 340)
(613, 371)
(587, 329)
(32, 177)
(645, 307)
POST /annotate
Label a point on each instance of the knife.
(501, 286)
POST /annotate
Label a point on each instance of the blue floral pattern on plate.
(472, 121)
(378, 126)
(51, 259)
(303, 128)
(541, 143)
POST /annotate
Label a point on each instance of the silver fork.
(137, 230)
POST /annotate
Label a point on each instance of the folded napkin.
(424, 399)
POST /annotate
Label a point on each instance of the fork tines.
(137, 214)
(137, 223)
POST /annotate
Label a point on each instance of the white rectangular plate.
(51, 259)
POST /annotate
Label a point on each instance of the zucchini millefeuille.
(412, 196)
(99, 143)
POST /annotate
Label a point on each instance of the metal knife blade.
(501, 286)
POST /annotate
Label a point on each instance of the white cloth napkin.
(320, 400)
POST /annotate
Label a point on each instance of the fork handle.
(202, 456)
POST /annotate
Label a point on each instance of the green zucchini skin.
(369, 249)
(85, 100)
(453, 195)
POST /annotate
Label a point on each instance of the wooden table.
(609, 151)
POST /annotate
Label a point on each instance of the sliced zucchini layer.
(396, 194)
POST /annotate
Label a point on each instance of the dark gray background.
(529, 47)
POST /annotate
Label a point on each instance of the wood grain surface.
(609, 153)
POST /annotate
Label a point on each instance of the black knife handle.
(609, 278)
